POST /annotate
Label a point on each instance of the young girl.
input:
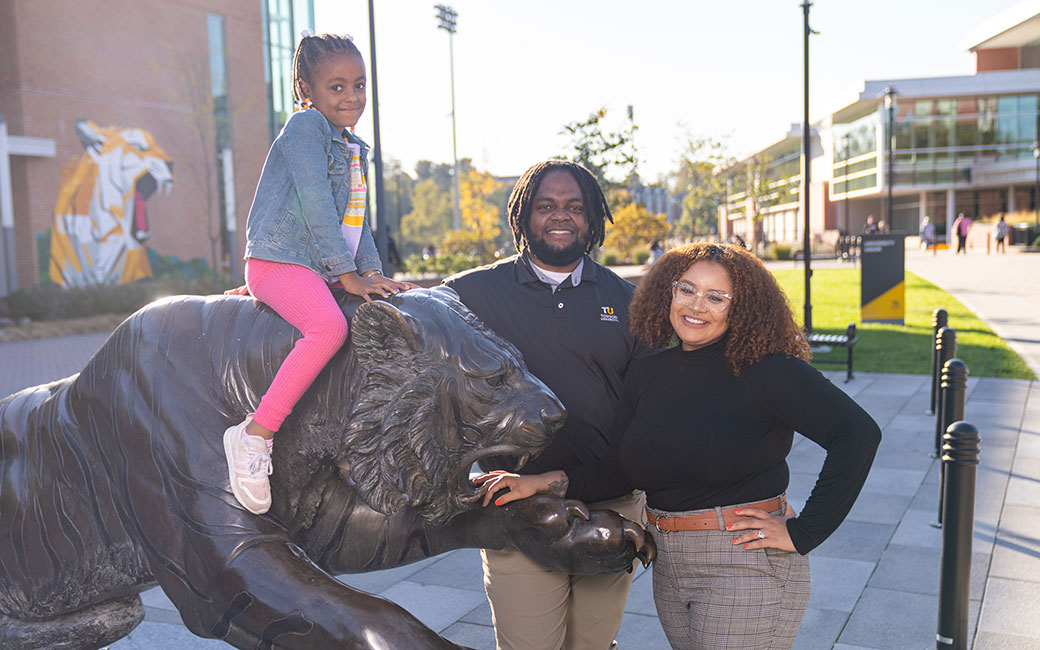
(306, 229)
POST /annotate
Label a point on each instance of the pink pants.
(304, 300)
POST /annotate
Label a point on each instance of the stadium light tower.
(447, 18)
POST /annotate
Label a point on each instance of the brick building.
(197, 89)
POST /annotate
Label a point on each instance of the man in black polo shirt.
(568, 316)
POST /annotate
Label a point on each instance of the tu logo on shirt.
(608, 315)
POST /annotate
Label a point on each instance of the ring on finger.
(761, 534)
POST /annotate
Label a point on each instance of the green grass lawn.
(904, 349)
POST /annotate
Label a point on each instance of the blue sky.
(730, 68)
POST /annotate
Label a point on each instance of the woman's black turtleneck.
(693, 436)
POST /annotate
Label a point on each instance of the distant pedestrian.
(656, 251)
(882, 227)
(1000, 230)
(429, 251)
(927, 233)
(870, 227)
(961, 226)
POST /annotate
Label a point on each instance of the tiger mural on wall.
(100, 219)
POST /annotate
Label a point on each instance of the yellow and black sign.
(881, 280)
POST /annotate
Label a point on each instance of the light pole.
(382, 233)
(447, 17)
(846, 139)
(806, 166)
(1036, 156)
(890, 106)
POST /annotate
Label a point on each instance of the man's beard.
(557, 256)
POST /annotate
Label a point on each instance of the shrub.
(609, 259)
(783, 251)
(51, 302)
(641, 256)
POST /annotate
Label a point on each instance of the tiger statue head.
(100, 221)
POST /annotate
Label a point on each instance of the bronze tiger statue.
(115, 479)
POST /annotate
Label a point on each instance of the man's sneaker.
(249, 464)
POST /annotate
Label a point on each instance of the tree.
(397, 194)
(480, 229)
(601, 152)
(701, 184)
(429, 219)
(634, 226)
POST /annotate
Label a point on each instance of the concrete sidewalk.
(875, 582)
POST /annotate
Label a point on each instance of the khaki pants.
(537, 609)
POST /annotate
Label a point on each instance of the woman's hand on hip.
(762, 529)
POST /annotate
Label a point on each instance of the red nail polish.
(745, 545)
(498, 502)
(734, 541)
(729, 526)
(737, 512)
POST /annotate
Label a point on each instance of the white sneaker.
(249, 465)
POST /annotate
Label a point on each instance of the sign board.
(882, 265)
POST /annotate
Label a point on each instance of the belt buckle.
(657, 524)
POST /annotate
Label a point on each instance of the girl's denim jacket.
(301, 197)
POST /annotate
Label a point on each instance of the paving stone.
(885, 480)
(480, 615)
(837, 583)
(915, 528)
(155, 597)
(437, 607)
(856, 540)
(641, 596)
(874, 508)
(149, 636)
(1028, 444)
(1004, 390)
(917, 569)
(375, 582)
(639, 632)
(820, 628)
(462, 569)
(896, 619)
(478, 637)
(1016, 553)
(996, 641)
(1024, 485)
(1011, 607)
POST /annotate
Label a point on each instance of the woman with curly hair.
(704, 427)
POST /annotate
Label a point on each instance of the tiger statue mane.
(100, 221)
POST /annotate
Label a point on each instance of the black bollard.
(939, 320)
(945, 349)
(960, 456)
(954, 382)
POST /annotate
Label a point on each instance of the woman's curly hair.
(759, 317)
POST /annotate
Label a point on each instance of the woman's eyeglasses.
(686, 294)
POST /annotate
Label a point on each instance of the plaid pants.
(712, 594)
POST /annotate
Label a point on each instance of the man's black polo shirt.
(576, 340)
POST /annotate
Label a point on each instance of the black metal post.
(960, 457)
(382, 231)
(954, 383)
(945, 349)
(890, 104)
(806, 176)
(939, 320)
(1036, 155)
(847, 222)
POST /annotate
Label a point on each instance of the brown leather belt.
(716, 520)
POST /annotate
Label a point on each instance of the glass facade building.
(947, 145)
(283, 22)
